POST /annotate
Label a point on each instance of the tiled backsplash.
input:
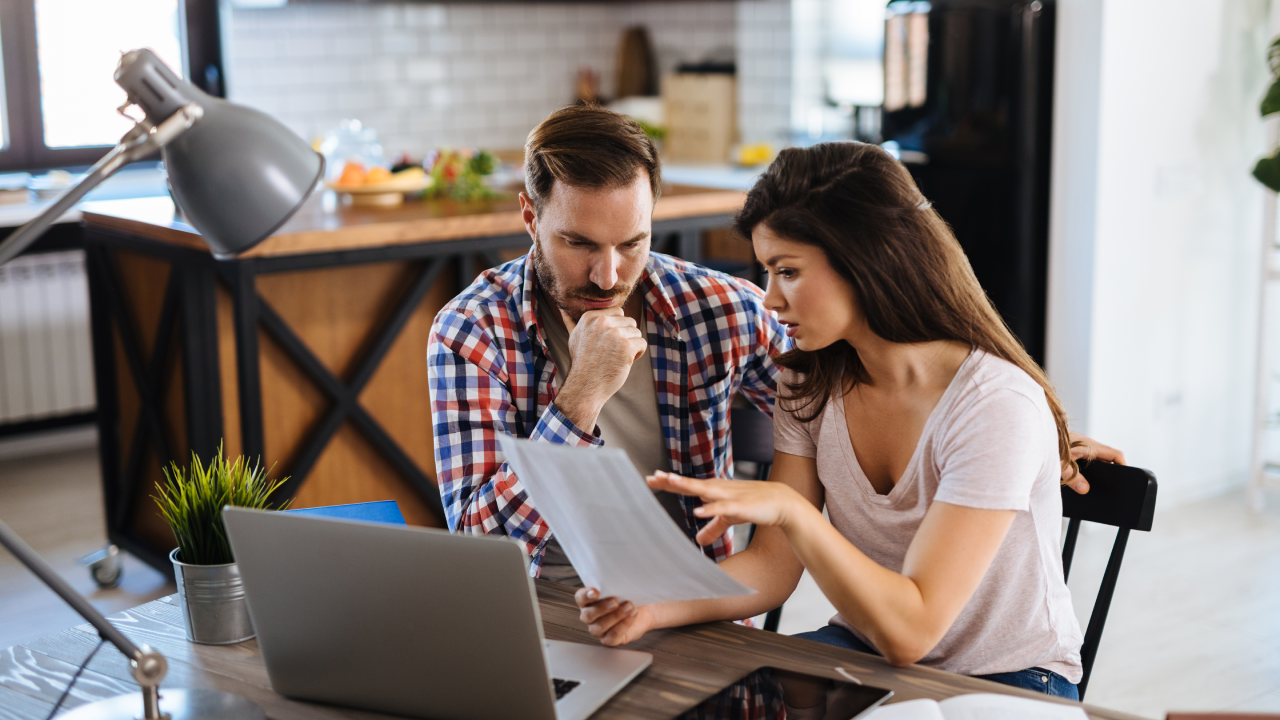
(427, 75)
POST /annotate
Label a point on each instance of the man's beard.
(551, 286)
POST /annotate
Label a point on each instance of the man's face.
(591, 246)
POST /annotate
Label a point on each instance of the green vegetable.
(191, 501)
(484, 163)
(655, 132)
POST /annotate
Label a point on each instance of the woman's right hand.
(613, 621)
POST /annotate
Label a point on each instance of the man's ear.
(530, 216)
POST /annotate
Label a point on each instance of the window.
(59, 99)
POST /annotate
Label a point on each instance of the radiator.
(46, 360)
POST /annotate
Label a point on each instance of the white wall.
(1156, 230)
(480, 74)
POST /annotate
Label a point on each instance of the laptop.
(411, 621)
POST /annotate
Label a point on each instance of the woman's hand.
(613, 621)
(732, 502)
(1090, 450)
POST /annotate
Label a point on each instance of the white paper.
(909, 710)
(979, 706)
(984, 706)
(614, 531)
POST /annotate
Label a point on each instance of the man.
(592, 340)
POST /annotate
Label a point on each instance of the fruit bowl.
(383, 194)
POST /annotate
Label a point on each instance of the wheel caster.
(104, 566)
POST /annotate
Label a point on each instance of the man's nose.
(604, 273)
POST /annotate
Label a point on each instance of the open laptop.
(411, 621)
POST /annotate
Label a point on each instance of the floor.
(54, 503)
(1195, 624)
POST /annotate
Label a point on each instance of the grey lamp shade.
(238, 174)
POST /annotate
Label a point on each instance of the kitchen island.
(308, 351)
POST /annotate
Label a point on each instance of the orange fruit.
(352, 174)
(377, 175)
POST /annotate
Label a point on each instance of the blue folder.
(382, 511)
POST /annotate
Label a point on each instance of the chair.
(1120, 496)
(753, 442)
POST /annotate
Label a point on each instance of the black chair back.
(1125, 498)
(753, 442)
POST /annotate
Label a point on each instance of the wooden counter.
(308, 351)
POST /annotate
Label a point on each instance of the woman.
(913, 415)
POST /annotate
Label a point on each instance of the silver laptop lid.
(403, 620)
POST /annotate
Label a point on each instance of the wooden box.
(702, 116)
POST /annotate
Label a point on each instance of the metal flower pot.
(213, 602)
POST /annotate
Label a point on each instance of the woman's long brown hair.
(910, 275)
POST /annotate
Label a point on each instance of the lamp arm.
(149, 666)
(141, 140)
(37, 565)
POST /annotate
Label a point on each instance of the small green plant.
(191, 501)
(1267, 171)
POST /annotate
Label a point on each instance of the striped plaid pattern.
(491, 372)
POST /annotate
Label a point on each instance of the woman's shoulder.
(990, 376)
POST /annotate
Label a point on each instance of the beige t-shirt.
(989, 443)
(629, 420)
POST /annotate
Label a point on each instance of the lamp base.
(174, 704)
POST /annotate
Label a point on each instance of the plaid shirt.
(491, 372)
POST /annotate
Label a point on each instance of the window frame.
(25, 149)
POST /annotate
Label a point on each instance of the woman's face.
(812, 300)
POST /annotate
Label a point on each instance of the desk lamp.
(238, 175)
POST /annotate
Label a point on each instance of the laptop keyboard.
(563, 686)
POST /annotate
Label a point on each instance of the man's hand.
(1090, 450)
(603, 345)
(613, 621)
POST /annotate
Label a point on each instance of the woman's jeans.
(1034, 679)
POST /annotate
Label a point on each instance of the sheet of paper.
(612, 528)
(909, 710)
(984, 706)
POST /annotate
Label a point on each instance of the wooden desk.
(308, 351)
(689, 665)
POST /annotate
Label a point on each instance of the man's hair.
(587, 146)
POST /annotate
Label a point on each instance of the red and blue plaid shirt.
(491, 372)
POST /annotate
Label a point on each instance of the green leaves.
(1267, 171)
(1271, 103)
(191, 501)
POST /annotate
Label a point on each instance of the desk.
(689, 665)
(308, 351)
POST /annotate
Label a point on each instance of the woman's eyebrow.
(774, 260)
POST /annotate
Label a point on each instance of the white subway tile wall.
(426, 75)
(764, 70)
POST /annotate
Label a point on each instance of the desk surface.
(324, 224)
(689, 665)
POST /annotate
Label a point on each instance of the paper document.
(979, 706)
(612, 528)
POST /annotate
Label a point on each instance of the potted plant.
(1267, 171)
(209, 585)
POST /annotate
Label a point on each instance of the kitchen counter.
(308, 351)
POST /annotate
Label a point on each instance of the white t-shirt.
(990, 443)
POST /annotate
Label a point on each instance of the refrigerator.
(968, 102)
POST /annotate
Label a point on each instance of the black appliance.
(968, 100)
